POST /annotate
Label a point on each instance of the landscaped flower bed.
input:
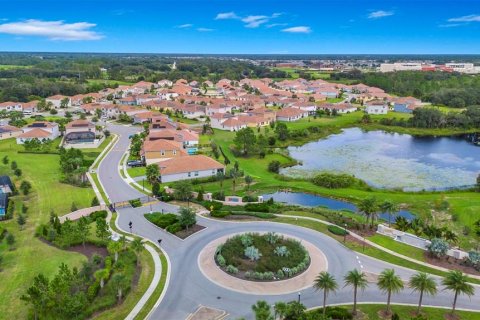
(262, 257)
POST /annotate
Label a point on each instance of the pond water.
(311, 200)
(391, 160)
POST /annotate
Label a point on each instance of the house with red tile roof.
(291, 114)
(11, 106)
(161, 150)
(191, 167)
(39, 130)
(56, 100)
(8, 131)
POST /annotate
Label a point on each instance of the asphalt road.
(188, 287)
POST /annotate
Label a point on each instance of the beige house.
(161, 150)
(9, 132)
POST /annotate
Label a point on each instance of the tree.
(390, 208)
(21, 221)
(120, 284)
(368, 207)
(187, 217)
(38, 295)
(183, 190)
(357, 280)
(152, 173)
(102, 230)
(83, 229)
(262, 311)
(457, 282)
(280, 309)
(389, 282)
(64, 102)
(137, 247)
(281, 130)
(13, 165)
(450, 236)
(10, 238)
(274, 166)
(326, 282)
(5, 161)
(114, 247)
(101, 275)
(17, 172)
(25, 186)
(245, 140)
(95, 202)
(477, 185)
(248, 181)
(423, 283)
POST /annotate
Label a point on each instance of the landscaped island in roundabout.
(262, 257)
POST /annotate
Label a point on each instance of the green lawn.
(108, 82)
(405, 312)
(32, 256)
(136, 171)
(399, 247)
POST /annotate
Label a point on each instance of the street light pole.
(299, 296)
(345, 233)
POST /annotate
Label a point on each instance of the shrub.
(268, 276)
(333, 181)
(219, 214)
(274, 166)
(221, 260)
(271, 237)
(281, 251)
(280, 274)
(212, 204)
(246, 240)
(162, 220)
(257, 207)
(219, 195)
(438, 247)
(337, 230)
(98, 214)
(249, 199)
(252, 253)
(174, 228)
(231, 269)
(135, 203)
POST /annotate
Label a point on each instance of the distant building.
(376, 107)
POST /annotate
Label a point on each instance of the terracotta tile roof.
(188, 164)
(80, 123)
(35, 133)
(289, 112)
(159, 145)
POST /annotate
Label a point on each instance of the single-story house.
(6, 185)
(406, 105)
(8, 131)
(39, 130)
(80, 131)
(11, 106)
(161, 150)
(291, 114)
(376, 107)
(190, 167)
(56, 100)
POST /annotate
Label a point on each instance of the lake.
(391, 160)
(312, 200)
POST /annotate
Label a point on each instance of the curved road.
(189, 288)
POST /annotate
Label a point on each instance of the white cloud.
(204, 29)
(273, 25)
(380, 14)
(451, 25)
(53, 30)
(255, 21)
(185, 26)
(299, 29)
(469, 18)
(226, 15)
(251, 21)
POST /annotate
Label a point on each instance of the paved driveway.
(188, 287)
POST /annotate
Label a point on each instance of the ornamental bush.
(337, 230)
(246, 240)
(231, 269)
(221, 260)
(333, 181)
(280, 274)
(438, 247)
(252, 253)
(271, 237)
(281, 251)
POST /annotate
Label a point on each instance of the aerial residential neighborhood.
(254, 160)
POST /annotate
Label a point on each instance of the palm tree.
(114, 247)
(101, 275)
(262, 310)
(389, 207)
(422, 283)
(137, 246)
(326, 282)
(457, 282)
(389, 283)
(280, 308)
(368, 207)
(119, 283)
(356, 279)
(450, 236)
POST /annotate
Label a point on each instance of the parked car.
(135, 163)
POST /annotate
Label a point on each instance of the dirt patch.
(450, 263)
(89, 250)
(191, 230)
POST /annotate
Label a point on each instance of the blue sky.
(241, 26)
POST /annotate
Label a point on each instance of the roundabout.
(300, 281)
